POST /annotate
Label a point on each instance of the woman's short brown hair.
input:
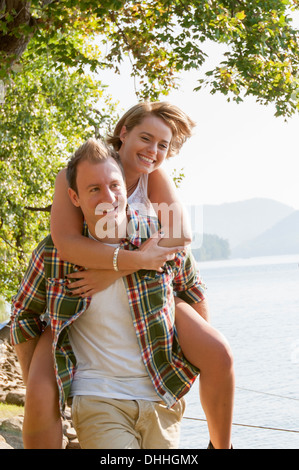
(180, 124)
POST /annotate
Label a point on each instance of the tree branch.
(12, 246)
(45, 3)
(39, 209)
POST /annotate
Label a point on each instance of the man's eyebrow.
(92, 184)
(116, 180)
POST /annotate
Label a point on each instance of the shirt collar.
(134, 232)
(139, 228)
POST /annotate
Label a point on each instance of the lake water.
(255, 304)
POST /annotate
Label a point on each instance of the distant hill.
(239, 222)
(281, 239)
(212, 247)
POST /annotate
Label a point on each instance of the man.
(117, 353)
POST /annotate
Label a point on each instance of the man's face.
(102, 198)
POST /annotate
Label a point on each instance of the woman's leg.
(42, 428)
(208, 350)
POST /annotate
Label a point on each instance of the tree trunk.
(14, 42)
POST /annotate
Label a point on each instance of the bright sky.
(237, 152)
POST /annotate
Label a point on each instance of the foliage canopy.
(163, 38)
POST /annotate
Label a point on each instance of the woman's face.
(145, 147)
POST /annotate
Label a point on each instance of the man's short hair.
(94, 151)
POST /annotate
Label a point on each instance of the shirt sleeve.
(187, 282)
(30, 301)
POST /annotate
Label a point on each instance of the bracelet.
(115, 255)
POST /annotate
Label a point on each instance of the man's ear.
(74, 197)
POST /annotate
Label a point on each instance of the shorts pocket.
(74, 408)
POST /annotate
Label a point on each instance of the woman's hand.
(87, 283)
(154, 256)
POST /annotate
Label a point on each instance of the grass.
(9, 411)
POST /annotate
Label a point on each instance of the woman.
(146, 135)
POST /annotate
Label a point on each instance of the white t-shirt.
(105, 344)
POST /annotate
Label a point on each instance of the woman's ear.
(123, 133)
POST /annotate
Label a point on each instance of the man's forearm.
(24, 353)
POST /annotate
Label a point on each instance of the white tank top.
(139, 200)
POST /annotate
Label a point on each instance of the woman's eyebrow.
(151, 135)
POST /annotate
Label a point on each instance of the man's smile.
(104, 208)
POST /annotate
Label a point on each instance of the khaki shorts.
(103, 423)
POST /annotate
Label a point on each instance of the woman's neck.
(132, 178)
(131, 187)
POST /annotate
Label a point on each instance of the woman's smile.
(148, 160)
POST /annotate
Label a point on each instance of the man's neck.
(106, 240)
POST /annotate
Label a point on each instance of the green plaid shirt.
(151, 299)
